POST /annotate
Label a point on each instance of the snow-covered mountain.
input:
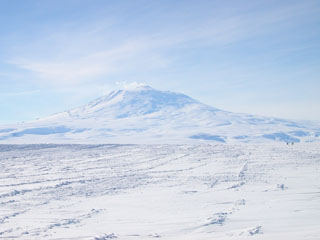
(146, 115)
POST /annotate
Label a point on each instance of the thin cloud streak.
(147, 51)
(19, 93)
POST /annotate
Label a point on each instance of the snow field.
(222, 191)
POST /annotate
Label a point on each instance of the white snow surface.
(196, 192)
(144, 115)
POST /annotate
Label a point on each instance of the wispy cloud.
(216, 51)
(126, 56)
(78, 61)
(21, 93)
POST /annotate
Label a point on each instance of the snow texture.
(172, 192)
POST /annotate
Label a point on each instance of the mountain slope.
(146, 115)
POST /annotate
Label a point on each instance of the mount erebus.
(146, 115)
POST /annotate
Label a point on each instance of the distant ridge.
(141, 114)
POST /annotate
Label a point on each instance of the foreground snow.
(160, 191)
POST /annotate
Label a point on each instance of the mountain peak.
(135, 86)
(138, 99)
(141, 113)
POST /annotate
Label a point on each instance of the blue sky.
(259, 57)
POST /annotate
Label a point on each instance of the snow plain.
(198, 192)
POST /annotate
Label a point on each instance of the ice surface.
(198, 192)
(208, 137)
(39, 131)
(280, 136)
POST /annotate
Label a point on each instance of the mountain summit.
(135, 102)
(141, 114)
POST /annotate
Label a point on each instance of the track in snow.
(160, 191)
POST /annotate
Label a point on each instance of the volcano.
(146, 115)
